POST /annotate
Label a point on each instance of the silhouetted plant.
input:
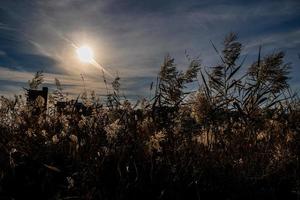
(37, 80)
(172, 82)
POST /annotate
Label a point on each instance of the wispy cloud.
(14, 81)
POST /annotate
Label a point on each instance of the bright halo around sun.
(85, 54)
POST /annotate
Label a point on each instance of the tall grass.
(237, 136)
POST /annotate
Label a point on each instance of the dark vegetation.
(236, 137)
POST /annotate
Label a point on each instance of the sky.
(131, 38)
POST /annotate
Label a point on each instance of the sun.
(85, 54)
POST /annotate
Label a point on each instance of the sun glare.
(85, 54)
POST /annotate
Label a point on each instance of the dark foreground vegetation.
(236, 137)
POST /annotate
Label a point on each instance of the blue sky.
(132, 37)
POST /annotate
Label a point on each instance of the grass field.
(235, 137)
